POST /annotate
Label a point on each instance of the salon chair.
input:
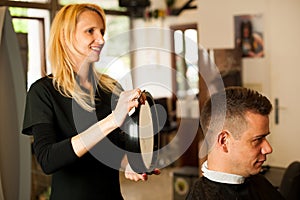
(290, 184)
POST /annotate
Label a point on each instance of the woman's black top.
(53, 119)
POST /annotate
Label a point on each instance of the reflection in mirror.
(146, 134)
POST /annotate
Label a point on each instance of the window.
(38, 20)
(185, 60)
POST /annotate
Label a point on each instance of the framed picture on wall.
(249, 35)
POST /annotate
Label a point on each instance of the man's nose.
(266, 148)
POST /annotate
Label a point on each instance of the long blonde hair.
(61, 43)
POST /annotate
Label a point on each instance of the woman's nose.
(99, 38)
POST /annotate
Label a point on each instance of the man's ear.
(223, 139)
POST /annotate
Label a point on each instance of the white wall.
(284, 31)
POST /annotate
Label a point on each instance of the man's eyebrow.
(262, 135)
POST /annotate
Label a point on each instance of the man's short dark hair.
(230, 106)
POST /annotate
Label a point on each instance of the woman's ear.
(223, 139)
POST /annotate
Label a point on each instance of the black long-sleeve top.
(53, 119)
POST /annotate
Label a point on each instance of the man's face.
(249, 152)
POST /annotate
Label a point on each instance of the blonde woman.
(72, 112)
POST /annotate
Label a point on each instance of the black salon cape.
(54, 119)
(254, 188)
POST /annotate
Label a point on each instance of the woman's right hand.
(127, 101)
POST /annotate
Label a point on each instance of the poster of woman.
(249, 35)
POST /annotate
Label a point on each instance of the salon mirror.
(142, 136)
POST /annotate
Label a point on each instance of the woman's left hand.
(131, 175)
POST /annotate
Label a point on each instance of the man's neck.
(221, 177)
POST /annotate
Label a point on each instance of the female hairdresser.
(69, 113)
